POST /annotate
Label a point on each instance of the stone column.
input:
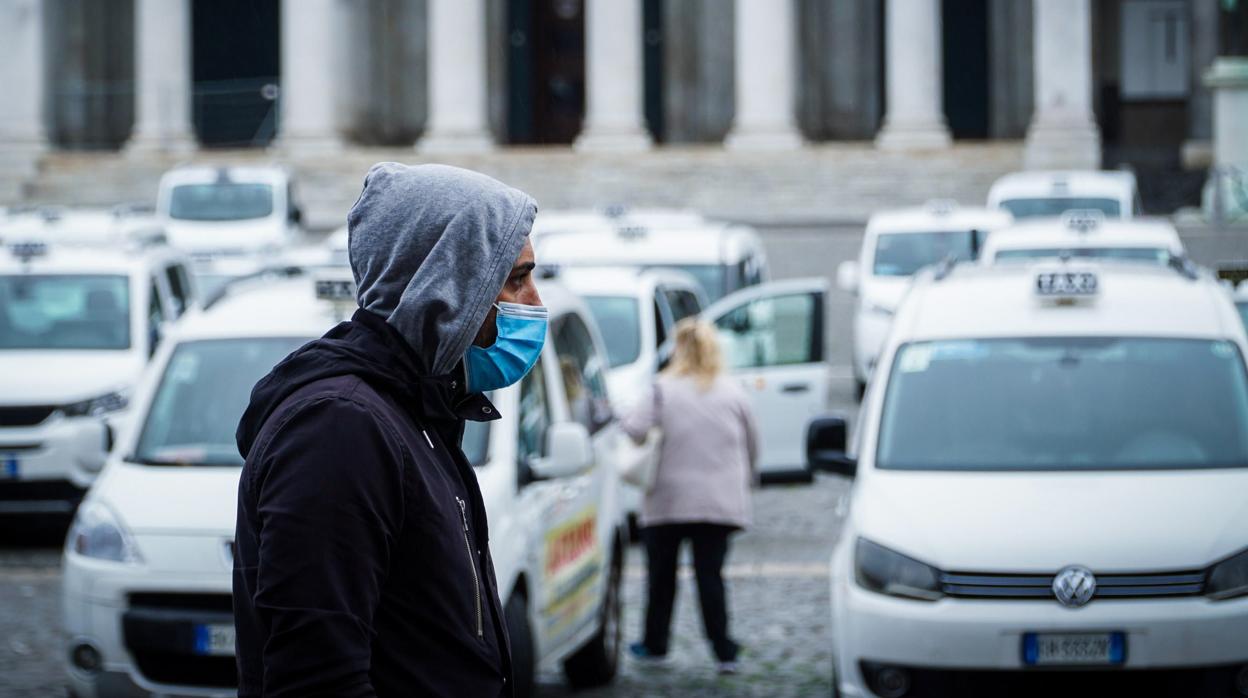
(614, 114)
(766, 47)
(1063, 134)
(913, 77)
(163, 77)
(313, 48)
(23, 108)
(1228, 78)
(458, 109)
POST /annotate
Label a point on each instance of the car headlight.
(99, 534)
(1229, 579)
(881, 570)
(97, 406)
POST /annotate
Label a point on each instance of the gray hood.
(431, 246)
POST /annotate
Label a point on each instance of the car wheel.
(595, 663)
(523, 658)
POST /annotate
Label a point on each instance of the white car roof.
(288, 307)
(707, 242)
(975, 301)
(623, 281)
(937, 217)
(1047, 233)
(1116, 184)
(207, 174)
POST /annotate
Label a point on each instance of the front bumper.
(142, 622)
(45, 468)
(960, 637)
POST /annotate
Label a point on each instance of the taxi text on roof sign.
(1066, 283)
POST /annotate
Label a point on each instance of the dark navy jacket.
(363, 565)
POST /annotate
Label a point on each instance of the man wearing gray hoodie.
(363, 565)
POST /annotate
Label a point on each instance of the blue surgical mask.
(521, 335)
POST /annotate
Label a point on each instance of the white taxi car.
(1084, 235)
(232, 221)
(723, 257)
(1050, 475)
(897, 244)
(1052, 193)
(77, 326)
(147, 564)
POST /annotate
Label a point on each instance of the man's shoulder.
(332, 401)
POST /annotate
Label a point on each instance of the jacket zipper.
(472, 560)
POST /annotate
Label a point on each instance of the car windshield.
(64, 311)
(902, 254)
(1056, 206)
(619, 320)
(1134, 254)
(1242, 306)
(203, 392)
(1065, 404)
(221, 201)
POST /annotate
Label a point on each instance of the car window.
(772, 331)
(1134, 254)
(581, 370)
(63, 311)
(660, 328)
(203, 392)
(1242, 306)
(155, 317)
(1065, 403)
(619, 321)
(534, 416)
(903, 254)
(476, 442)
(179, 292)
(1056, 206)
(683, 304)
(221, 201)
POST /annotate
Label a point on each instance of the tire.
(596, 663)
(523, 658)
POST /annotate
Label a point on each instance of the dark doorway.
(965, 53)
(236, 70)
(652, 62)
(545, 71)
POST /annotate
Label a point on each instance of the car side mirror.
(847, 276)
(570, 452)
(296, 215)
(826, 439)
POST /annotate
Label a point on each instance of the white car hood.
(885, 291)
(1136, 521)
(59, 377)
(246, 235)
(153, 499)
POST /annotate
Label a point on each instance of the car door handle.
(795, 388)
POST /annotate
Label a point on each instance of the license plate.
(215, 639)
(9, 468)
(1074, 649)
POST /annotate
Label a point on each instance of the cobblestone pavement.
(778, 594)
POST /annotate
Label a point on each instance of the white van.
(232, 221)
(147, 565)
(1040, 194)
(1049, 487)
(722, 257)
(897, 244)
(1084, 235)
(77, 326)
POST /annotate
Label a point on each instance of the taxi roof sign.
(28, 250)
(1066, 284)
(1083, 220)
(335, 289)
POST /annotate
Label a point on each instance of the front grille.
(1120, 586)
(221, 603)
(25, 416)
(187, 670)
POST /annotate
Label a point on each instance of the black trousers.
(710, 549)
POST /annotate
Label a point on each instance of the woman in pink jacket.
(702, 486)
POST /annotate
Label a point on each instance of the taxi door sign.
(571, 568)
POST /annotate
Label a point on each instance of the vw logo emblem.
(1074, 586)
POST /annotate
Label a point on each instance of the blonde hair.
(696, 354)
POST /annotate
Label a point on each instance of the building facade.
(1082, 82)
